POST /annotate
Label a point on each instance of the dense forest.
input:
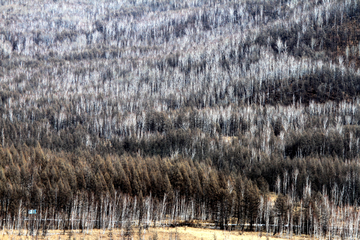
(128, 113)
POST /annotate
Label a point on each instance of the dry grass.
(150, 234)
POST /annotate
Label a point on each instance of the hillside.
(181, 110)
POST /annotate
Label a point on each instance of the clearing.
(150, 234)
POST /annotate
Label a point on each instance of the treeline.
(85, 191)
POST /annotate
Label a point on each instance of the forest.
(240, 113)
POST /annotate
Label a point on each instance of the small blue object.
(32, 211)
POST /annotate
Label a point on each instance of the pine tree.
(251, 202)
(281, 208)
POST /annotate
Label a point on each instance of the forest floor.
(150, 234)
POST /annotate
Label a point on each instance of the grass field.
(150, 234)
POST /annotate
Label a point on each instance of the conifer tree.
(251, 201)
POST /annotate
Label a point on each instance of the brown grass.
(152, 233)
